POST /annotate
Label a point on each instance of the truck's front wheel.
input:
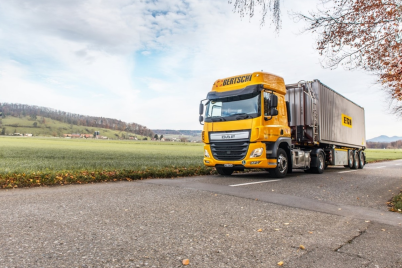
(224, 171)
(282, 165)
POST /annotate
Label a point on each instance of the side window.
(216, 110)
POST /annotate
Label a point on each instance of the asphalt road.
(245, 220)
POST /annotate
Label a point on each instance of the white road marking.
(397, 164)
(376, 167)
(234, 185)
(347, 171)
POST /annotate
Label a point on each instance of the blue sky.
(151, 62)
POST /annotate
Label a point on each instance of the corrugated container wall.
(338, 120)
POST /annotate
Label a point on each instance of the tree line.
(386, 145)
(177, 132)
(32, 111)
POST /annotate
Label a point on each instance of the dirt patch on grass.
(395, 204)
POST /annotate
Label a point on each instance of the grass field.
(374, 155)
(25, 155)
(43, 161)
(48, 161)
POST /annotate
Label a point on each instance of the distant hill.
(39, 114)
(47, 127)
(384, 138)
(177, 132)
(42, 121)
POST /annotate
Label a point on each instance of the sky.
(151, 62)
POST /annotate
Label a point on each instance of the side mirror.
(274, 101)
(201, 108)
(201, 118)
(274, 111)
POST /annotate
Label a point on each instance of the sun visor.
(249, 90)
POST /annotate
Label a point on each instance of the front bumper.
(247, 162)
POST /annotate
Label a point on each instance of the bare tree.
(269, 8)
(365, 34)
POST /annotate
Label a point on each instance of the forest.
(23, 110)
(385, 145)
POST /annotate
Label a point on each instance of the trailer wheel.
(361, 160)
(321, 164)
(282, 165)
(224, 171)
(355, 160)
(350, 158)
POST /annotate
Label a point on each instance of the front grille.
(229, 150)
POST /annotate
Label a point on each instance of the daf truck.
(256, 121)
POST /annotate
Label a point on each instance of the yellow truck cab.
(248, 124)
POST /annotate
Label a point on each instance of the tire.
(290, 170)
(321, 164)
(350, 158)
(362, 161)
(224, 171)
(282, 166)
(355, 160)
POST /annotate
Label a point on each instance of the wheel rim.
(282, 163)
(350, 158)
(321, 159)
(361, 159)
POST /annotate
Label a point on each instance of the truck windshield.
(233, 108)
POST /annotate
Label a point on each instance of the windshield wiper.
(217, 118)
(241, 116)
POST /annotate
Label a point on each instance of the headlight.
(206, 154)
(256, 152)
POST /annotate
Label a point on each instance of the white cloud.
(80, 56)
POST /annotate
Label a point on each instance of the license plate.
(228, 165)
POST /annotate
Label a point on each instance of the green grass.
(38, 161)
(396, 203)
(376, 155)
(28, 162)
(52, 127)
(25, 155)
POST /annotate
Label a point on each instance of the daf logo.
(228, 136)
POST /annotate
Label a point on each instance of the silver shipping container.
(321, 115)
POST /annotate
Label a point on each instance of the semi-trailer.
(255, 121)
